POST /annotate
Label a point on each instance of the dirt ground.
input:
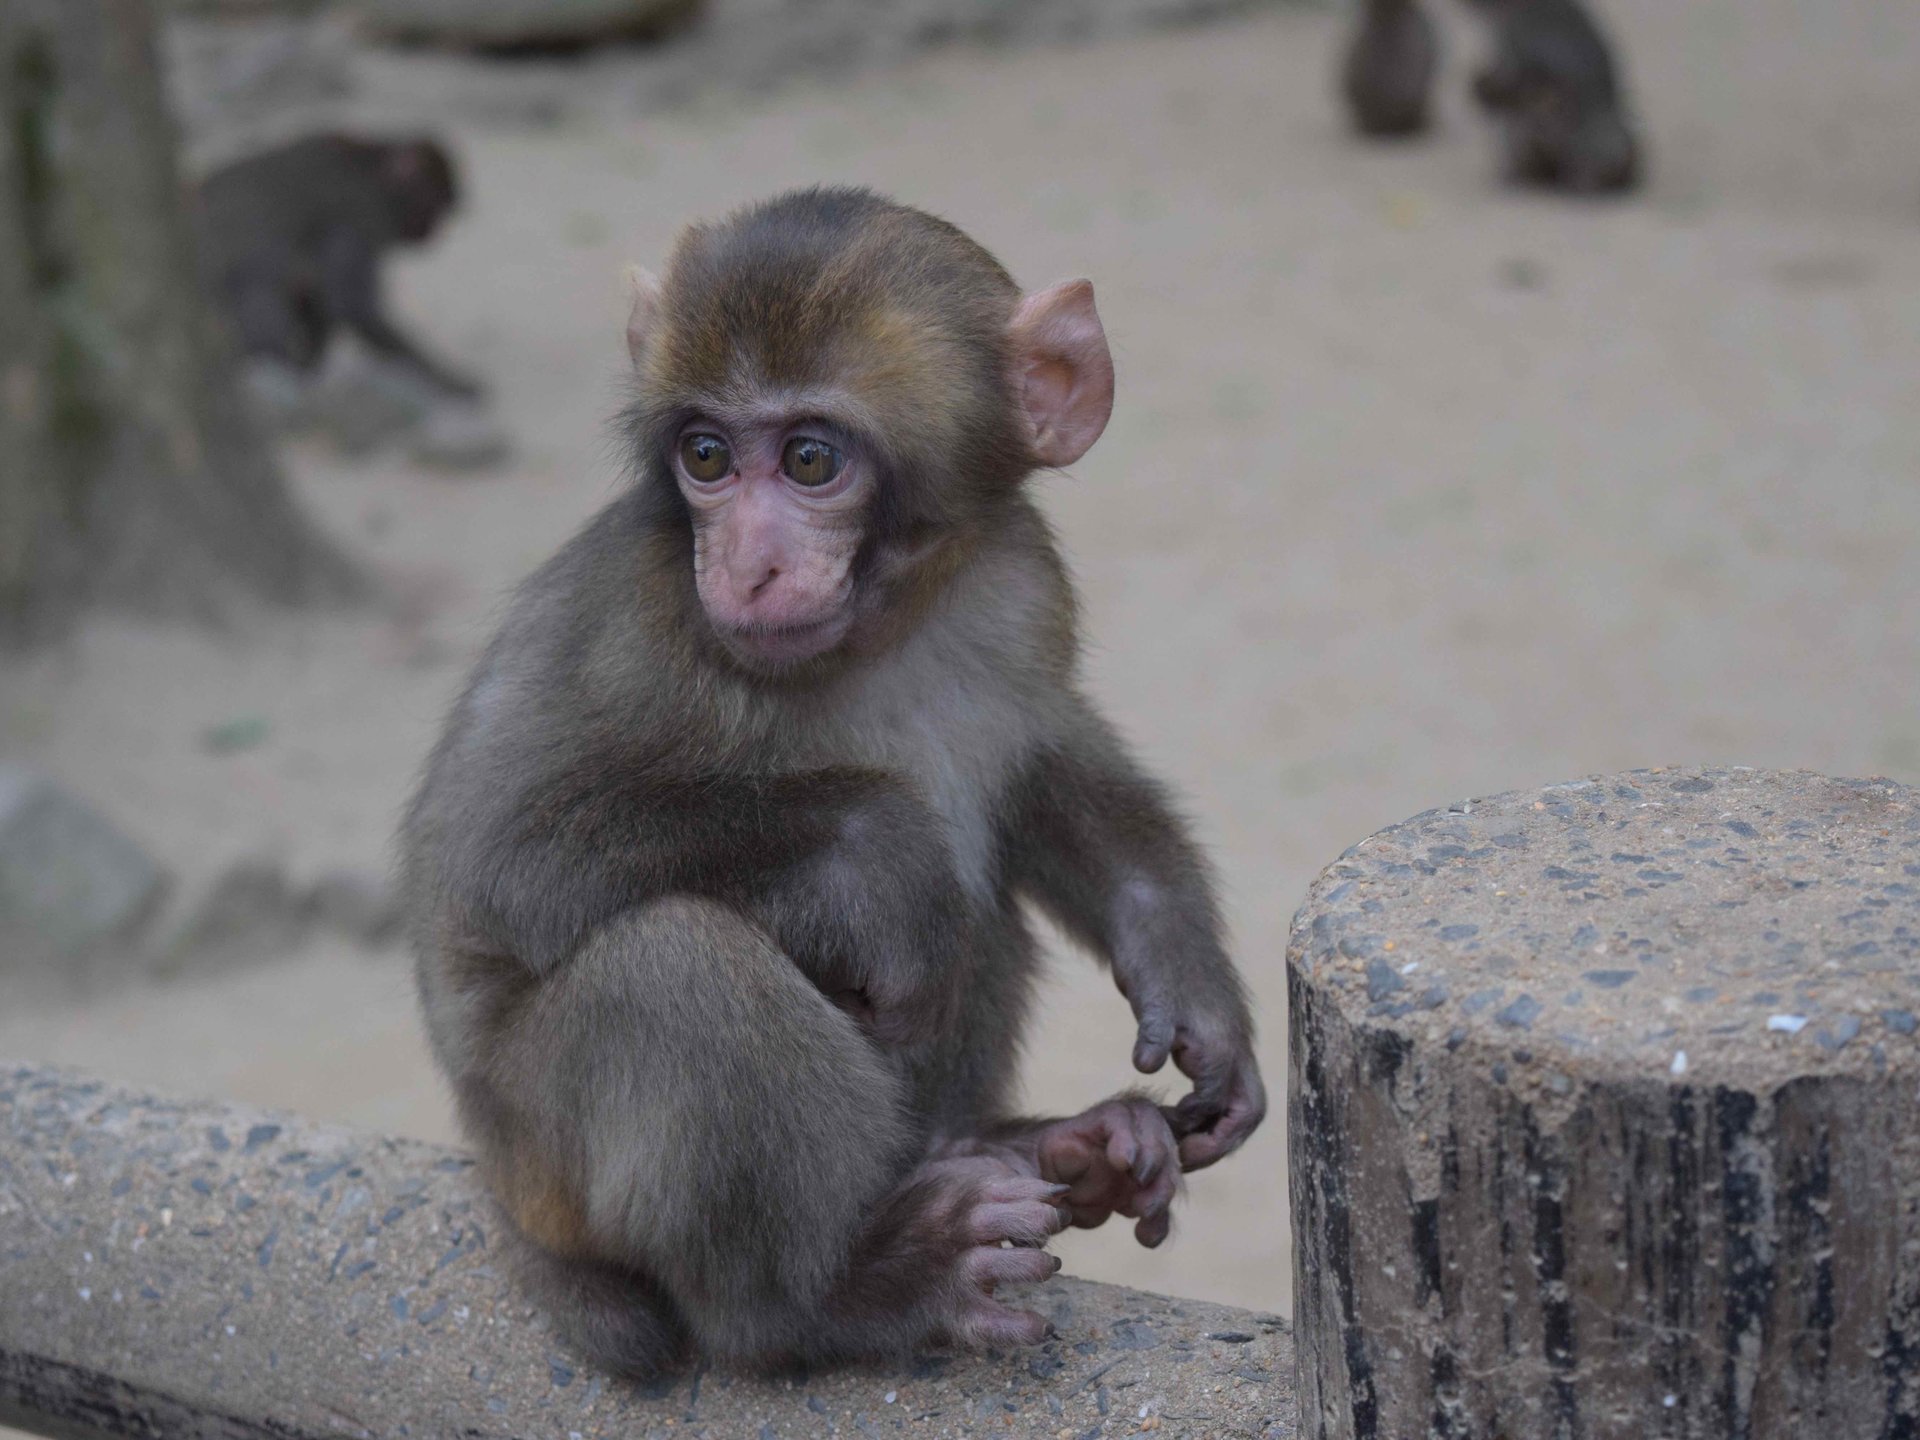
(1417, 489)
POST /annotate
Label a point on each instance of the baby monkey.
(717, 871)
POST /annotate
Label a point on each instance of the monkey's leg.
(1120, 1157)
(615, 1317)
(350, 281)
(1389, 69)
(274, 321)
(677, 1101)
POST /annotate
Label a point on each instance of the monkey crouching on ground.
(292, 238)
(716, 872)
(1553, 89)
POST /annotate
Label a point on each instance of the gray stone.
(458, 435)
(487, 24)
(246, 911)
(820, 34)
(1521, 1014)
(70, 881)
(162, 1279)
(1695, 1151)
(246, 9)
(365, 907)
(1383, 980)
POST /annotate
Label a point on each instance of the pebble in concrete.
(1649, 1162)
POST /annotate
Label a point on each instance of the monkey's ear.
(646, 303)
(1063, 370)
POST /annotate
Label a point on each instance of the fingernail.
(1057, 1263)
(1058, 1190)
(1052, 1334)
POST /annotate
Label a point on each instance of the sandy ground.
(1416, 490)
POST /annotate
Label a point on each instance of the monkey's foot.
(1003, 1222)
(1120, 1157)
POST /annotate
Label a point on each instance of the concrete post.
(207, 1271)
(1604, 1116)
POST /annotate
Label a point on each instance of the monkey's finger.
(1154, 1143)
(988, 1266)
(1144, 1201)
(1091, 1217)
(1023, 1223)
(1122, 1147)
(987, 1323)
(1066, 1158)
(1200, 1110)
(1154, 1045)
(1015, 1187)
(1230, 1131)
(1177, 1121)
(1155, 1211)
(1152, 1230)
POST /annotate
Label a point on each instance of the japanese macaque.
(1553, 90)
(717, 871)
(292, 239)
(1552, 87)
(1389, 68)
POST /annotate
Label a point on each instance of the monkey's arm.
(350, 274)
(1094, 839)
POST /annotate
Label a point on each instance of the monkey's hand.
(1119, 1158)
(1228, 1101)
(988, 1221)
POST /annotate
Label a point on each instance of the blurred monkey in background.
(292, 240)
(1552, 87)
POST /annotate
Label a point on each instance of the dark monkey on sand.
(293, 238)
(717, 871)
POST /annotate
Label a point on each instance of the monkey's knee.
(618, 1319)
(687, 1106)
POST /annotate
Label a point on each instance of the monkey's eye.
(706, 458)
(811, 462)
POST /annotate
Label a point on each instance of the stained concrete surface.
(216, 1270)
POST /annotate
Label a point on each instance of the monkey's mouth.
(780, 645)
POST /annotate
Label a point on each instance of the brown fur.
(727, 966)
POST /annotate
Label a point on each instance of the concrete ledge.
(206, 1270)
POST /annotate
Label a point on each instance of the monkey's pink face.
(778, 514)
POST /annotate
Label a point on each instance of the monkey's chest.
(960, 753)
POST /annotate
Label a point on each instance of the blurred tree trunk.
(130, 471)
